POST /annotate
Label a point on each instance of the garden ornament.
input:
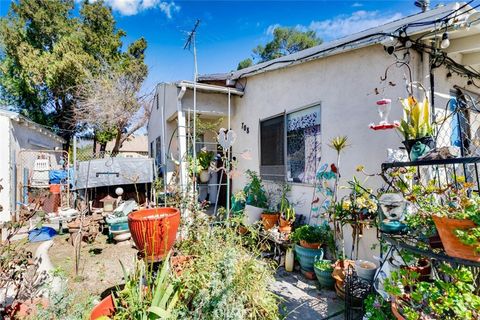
(384, 107)
(418, 150)
(393, 206)
(226, 138)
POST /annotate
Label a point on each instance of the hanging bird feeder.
(384, 107)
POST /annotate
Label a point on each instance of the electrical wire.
(443, 19)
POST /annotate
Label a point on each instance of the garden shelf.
(407, 243)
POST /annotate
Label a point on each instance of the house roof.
(135, 143)
(15, 116)
(358, 40)
(209, 88)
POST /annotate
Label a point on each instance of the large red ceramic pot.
(154, 231)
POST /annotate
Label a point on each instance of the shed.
(18, 133)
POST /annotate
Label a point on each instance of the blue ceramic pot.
(325, 278)
(306, 257)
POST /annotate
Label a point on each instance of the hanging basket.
(453, 246)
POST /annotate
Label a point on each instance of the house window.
(151, 149)
(303, 144)
(272, 142)
(158, 154)
(300, 133)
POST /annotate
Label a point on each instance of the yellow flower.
(346, 205)
(360, 168)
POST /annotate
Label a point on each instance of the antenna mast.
(188, 45)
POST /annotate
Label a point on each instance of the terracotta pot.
(285, 225)
(423, 267)
(453, 246)
(154, 231)
(269, 220)
(106, 308)
(339, 268)
(314, 245)
(242, 230)
(395, 311)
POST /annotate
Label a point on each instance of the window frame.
(285, 114)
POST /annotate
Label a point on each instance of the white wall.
(16, 137)
(344, 85)
(5, 168)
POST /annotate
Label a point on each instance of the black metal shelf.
(398, 241)
(420, 163)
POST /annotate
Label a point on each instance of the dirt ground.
(99, 267)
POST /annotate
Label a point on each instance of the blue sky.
(230, 29)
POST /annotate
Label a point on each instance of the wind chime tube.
(228, 162)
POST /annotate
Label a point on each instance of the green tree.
(47, 52)
(245, 63)
(286, 40)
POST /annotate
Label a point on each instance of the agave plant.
(147, 295)
(416, 119)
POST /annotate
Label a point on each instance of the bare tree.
(113, 101)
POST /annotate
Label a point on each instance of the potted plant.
(323, 270)
(255, 198)
(145, 295)
(416, 126)
(287, 212)
(205, 159)
(269, 218)
(154, 231)
(458, 223)
(453, 299)
(308, 240)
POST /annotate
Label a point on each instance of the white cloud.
(357, 4)
(132, 7)
(344, 25)
(271, 28)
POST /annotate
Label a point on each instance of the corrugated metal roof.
(361, 39)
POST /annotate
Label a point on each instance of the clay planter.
(395, 311)
(423, 267)
(204, 176)
(285, 225)
(339, 272)
(365, 269)
(154, 231)
(308, 245)
(306, 257)
(453, 246)
(269, 220)
(106, 308)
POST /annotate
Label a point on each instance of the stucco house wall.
(18, 134)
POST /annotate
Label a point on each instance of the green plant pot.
(306, 257)
(325, 278)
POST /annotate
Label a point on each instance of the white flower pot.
(204, 176)
(251, 214)
(365, 269)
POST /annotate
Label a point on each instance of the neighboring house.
(286, 111)
(135, 146)
(18, 133)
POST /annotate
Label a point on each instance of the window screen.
(303, 145)
(272, 141)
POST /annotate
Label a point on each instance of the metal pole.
(164, 150)
(194, 111)
(228, 162)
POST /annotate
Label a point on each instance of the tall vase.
(289, 260)
(154, 231)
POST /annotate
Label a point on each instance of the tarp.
(114, 171)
